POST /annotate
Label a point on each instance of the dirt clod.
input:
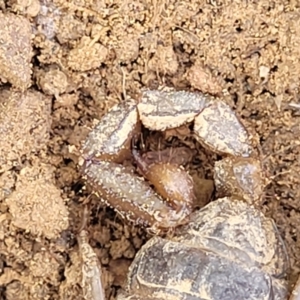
(25, 125)
(87, 55)
(52, 81)
(36, 204)
(15, 50)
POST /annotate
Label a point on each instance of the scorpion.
(226, 250)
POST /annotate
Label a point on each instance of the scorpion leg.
(92, 276)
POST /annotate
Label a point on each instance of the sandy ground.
(63, 64)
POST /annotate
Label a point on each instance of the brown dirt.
(84, 56)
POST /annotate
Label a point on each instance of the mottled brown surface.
(105, 52)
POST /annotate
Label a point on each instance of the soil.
(63, 64)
